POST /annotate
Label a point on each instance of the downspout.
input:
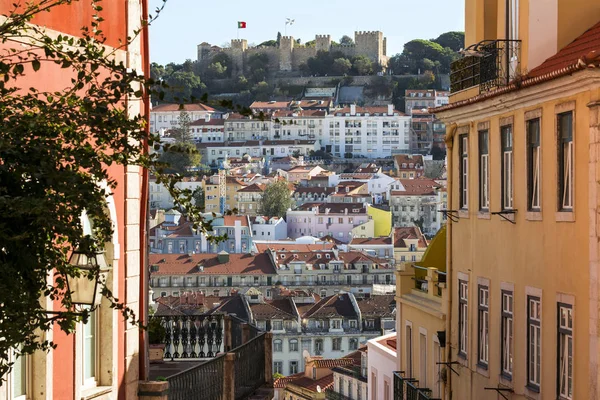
(144, 215)
(450, 133)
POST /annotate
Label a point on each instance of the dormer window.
(318, 256)
(327, 256)
(282, 256)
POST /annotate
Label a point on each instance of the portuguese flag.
(241, 25)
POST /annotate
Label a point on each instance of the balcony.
(408, 389)
(488, 64)
(219, 356)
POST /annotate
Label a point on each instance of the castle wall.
(301, 56)
(271, 52)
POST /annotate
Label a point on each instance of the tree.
(55, 147)
(198, 196)
(278, 38)
(182, 86)
(453, 40)
(341, 66)
(437, 153)
(216, 71)
(181, 132)
(362, 65)
(258, 66)
(180, 157)
(276, 199)
(346, 40)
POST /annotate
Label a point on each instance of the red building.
(104, 358)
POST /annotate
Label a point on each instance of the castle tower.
(204, 51)
(371, 44)
(237, 53)
(323, 42)
(286, 50)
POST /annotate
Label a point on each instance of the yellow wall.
(545, 254)
(383, 221)
(366, 230)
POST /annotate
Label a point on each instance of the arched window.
(277, 345)
(293, 344)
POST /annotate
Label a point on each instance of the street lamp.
(85, 289)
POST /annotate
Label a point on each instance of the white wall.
(382, 364)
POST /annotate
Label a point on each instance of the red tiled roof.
(254, 188)
(370, 110)
(389, 343)
(270, 104)
(302, 113)
(332, 306)
(229, 220)
(274, 309)
(182, 264)
(334, 362)
(369, 241)
(293, 247)
(580, 54)
(283, 381)
(408, 159)
(212, 121)
(417, 187)
(182, 107)
(408, 232)
(307, 383)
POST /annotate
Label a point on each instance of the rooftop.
(408, 232)
(182, 107)
(184, 264)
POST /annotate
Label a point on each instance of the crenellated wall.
(289, 56)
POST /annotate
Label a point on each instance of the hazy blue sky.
(185, 23)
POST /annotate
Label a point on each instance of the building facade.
(165, 117)
(524, 183)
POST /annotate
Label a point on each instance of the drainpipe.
(451, 132)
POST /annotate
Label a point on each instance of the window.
(318, 347)
(89, 359)
(293, 344)
(507, 334)
(336, 324)
(353, 344)
(464, 171)
(483, 325)
(565, 161)
(565, 351)
(534, 342)
(277, 345)
(507, 167)
(277, 325)
(293, 367)
(484, 172)
(409, 351)
(336, 344)
(533, 164)
(17, 388)
(278, 367)
(463, 298)
(423, 361)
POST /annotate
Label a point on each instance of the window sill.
(484, 215)
(532, 392)
(462, 359)
(565, 216)
(96, 392)
(533, 216)
(510, 217)
(482, 369)
(464, 213)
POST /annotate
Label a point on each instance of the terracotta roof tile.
(379, 305)
(408, 232)
(332, 306)
(307, 383)
(229, 220)
(283, 381)
(182, 264)
(334, 362)
(262, 247)
(372, 241)
(182, 107)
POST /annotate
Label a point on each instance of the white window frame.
(534, 342)
(463, 317)
(567, 173)
(534, 164)
(484, 171)
(464, 171)
(507, 145)
(506, 333)
(483, 325)
(26, 373)
(92, 381)
(565, 351)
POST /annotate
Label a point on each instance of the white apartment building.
(166, 116)
(268, 228)
(366, 131)
(212, 153)
(423, 99)
(382, 362)
(160, 198)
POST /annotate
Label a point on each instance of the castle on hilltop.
(290, 55)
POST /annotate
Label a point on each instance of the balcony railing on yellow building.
(488, 64)
(408, 388)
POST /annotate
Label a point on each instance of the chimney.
(223, 257)
(352, 109)
(390, 109)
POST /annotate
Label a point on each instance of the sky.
(183, 24)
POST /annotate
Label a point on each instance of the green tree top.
(276, 199)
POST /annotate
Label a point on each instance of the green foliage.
(262, 91)
(277, 375)
(216, 70)
(362, 65)
(276, 199)
(453, 40)
(437, 153)
(55, 149)
(278, 38)
(198, 197)
(346, 40)
(182, 85)
(180, 157)
(258, 66)
(269, 43)
(156, 332)
(182, 132)
(341, 66)
(380, 86)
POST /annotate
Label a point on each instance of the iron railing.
(193, 336)
(249, 366)
(205, 379)
(408, 388)
(488, 64)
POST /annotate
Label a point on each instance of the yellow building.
(421, 297)
(211, 193)
(523, 144)
(382, 219)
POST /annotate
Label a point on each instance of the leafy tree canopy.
(453, 40)
(276, 199)
(346, 40)
(269, 43)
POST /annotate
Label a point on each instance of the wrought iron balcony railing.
(408, 388)
(488, 64)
